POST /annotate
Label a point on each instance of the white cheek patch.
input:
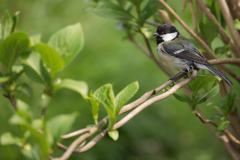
(179, 51)
(169, 36)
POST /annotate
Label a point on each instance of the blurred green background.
(165, 130)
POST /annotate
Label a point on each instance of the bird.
(181, 54)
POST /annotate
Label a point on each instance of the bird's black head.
(166, 32)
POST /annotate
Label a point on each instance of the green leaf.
(111, 98)
(44, 101)
(51, 58)
(31, 153)
(108, 9)
(100, 93)
(223, 50)
(113, 134)
(40, 139)
(61, 124)
(68, 41)
(25, 89)
(209, 29)
(8, 139)
(78, 86)
(34, 68)
(35, 39)
(223, 125)
(200, 82)
(146, 32)
(236, 24)
(135, 2)
(24, 110)
(107, 108)
(150, 8)
(110, 112)
(212, 105)
(228, 103)
(216, 116)
(182, 98)
(125, 95)
(16, 119)
(11, 48)
(37, 123)
(14, 19)
(210, 93)
(23, 116)
(4, 79)
(6, 25)
(95, 108)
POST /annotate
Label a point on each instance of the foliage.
(42, 61)
(197, 84)
(114, 104)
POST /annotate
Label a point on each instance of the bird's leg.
(173, 77)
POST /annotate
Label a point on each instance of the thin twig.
(165, 17)
(229, 20)
(81, 131)
(12, 100)
(225, 61)
(124, 109)
(229, 135)
(201, 42)
(222, 32)
(234, 154)
(140, 46)
(184, 5)
(194, 21)
(128, 116)
(43, 112)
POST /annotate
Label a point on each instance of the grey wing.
(183, 51)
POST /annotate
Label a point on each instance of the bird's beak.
(155, 34)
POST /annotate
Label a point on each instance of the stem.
(12, 100)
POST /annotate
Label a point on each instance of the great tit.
(179, 53)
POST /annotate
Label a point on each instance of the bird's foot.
(173, 82)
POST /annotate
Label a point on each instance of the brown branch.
(222, 32)
(235, 120)
(225, 131)
(201, 42)
(225, 61)
(140, 46)
(128, 116)
(81, 131)
(234, 154)
(185, 26)
(234, 7)
(165, 17)
(12, 101)
(229, 20)
(184, 5)
(124, 109)
(194, 21)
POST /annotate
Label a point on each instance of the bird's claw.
(173, 82)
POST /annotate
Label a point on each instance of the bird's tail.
(219, 74)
